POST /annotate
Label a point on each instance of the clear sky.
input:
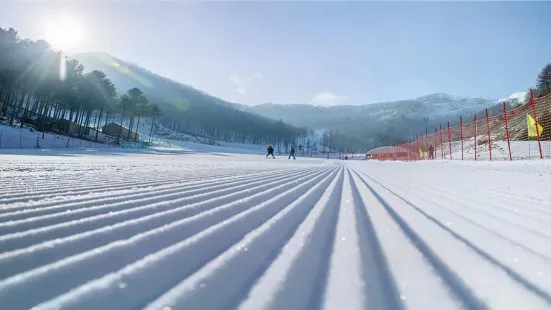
(313, 52)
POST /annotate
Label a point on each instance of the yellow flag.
(532, 126)
(420, 153)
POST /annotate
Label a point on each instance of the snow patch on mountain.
(520, 97)
(443, 104)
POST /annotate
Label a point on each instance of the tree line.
(228, 124)
(39, 86)
(543, 82)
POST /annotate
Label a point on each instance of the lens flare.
(63, 34)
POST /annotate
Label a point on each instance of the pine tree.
(544, 81)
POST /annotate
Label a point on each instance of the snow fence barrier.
(23, 138)
(520, 133)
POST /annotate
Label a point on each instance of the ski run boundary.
(240, 232)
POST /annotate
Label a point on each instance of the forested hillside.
(192, 111)
(40, 88)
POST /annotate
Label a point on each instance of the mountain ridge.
(367, 125)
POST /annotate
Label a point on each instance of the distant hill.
(190, 110)
(435, 106)
(377, 124)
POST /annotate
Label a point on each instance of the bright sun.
(63, 34)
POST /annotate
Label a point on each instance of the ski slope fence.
(23, 138)
(520, 133)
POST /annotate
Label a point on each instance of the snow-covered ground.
(170, 229)
(14, 138)
(25, 138)
(166, 137)
(499, 149)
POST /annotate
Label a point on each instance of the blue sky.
(314, 52)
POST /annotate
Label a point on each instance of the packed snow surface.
(171, 230)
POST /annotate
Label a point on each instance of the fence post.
(1, 132)
(400, 147)
(412, 149)
(461, 126)
(397, 150)
(450, 140)
(434, 157)
(422, 144)
(417, 146)
(427, 139)
(507, 129)
(536, 121)
(489, 136)
(441, 145)
(475, 133)
(37, 141)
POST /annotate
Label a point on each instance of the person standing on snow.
(431, 152)
(292, 153)
(270, 151)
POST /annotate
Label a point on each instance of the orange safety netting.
(524, 132)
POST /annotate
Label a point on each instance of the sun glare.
(63, 34)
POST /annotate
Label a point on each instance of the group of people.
(271, 152)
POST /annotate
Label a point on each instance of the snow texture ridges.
(198, 231)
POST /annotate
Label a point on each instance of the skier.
(270, 151)
(292, 153)
(431, 152)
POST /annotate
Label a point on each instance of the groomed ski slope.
(198, 231)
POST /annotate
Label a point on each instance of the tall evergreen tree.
(544, 81)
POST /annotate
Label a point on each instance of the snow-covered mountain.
(519, 97)
(433, 106)
(385, 122)
(443, 104)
